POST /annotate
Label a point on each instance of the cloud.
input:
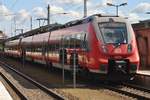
(64, 1)
(133, 18)
(39, 12)
(102, 4)
(74, 14)
(141, 8)
(55, 9)
(4, 13)
(22, 16)
(91, 12)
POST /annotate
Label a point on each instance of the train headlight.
(129, 48)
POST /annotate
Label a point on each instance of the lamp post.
(117, 6)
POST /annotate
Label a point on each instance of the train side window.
(30, 49)
(72, 41)
(33, 49)
(84, 43)
(69, 37)
(64, 42)
(69, 45)
(78, 41)
(49, 47)
(61, 41)
(56, 43)
(43, 49)
(38, 49)
(68, 42)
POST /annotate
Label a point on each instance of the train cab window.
(113, 32)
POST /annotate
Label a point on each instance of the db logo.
(117, 50)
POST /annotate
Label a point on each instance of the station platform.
(144, 72)
(4, 95)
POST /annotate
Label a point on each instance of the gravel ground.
(93, 94)
(135, 91)
(53, 80)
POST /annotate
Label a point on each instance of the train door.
(74, 53)
(82, 54)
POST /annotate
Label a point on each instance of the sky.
(20, 12)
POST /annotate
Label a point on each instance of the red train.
(102, 45)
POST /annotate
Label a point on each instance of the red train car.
(102, 45)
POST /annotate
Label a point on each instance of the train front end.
(116, 51)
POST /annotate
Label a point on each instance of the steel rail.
(116, 89)
(42, 87)
(16, 90)
(137, 87)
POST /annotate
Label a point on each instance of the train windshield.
(115, 33)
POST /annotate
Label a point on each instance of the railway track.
(15, 89)
(40, 86)
(130, 90)
(125, 89)
(137, 87)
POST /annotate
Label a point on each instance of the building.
(2, 38)
(142, 31)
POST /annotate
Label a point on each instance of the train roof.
(57, 26)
